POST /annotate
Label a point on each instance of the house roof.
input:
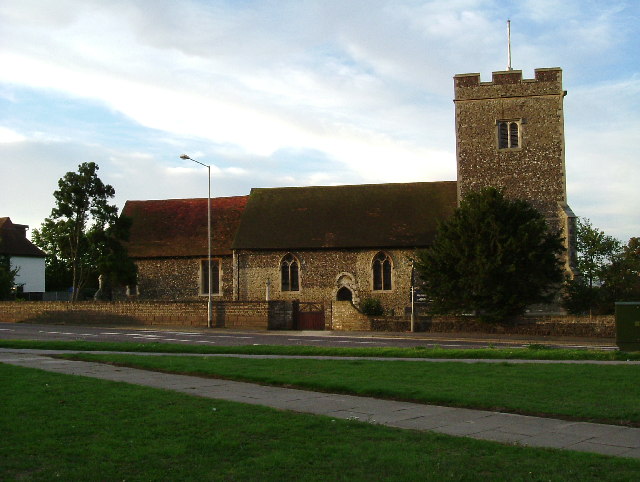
(14, 242)
(178, 227)
(359, 216)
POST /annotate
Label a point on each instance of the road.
(223, 337)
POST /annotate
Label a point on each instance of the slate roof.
(14, 242)
(178, 227)
(358, 216)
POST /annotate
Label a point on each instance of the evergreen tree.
(493, 257)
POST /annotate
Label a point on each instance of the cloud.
(9, 135)
(288, 92)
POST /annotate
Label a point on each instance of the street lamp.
(209, 311)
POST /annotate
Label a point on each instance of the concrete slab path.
(479, 424)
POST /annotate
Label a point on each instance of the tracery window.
(381, 272)
(289, 273)
(509, 134)
(215, 277)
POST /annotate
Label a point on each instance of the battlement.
(508, 83)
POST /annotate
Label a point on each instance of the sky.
(299, 93)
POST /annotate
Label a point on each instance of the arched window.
(381, 272)
(289, 267)
(508, 134)
(215, 277)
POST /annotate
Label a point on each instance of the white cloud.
(9, 135)
(361, 90)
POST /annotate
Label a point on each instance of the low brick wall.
(279, 315)
(345, 317)
(248, 315)
(578, 326)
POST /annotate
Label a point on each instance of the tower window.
(509, 134)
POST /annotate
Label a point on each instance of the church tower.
(510, 135)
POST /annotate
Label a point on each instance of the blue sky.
(294, 93)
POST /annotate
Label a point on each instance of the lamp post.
(209, 311)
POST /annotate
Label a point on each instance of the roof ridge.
(331, 186)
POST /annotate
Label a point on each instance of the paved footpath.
(479, 424)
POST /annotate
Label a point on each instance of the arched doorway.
(344, 294)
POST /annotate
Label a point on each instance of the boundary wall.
(278, 315)
(260, 315)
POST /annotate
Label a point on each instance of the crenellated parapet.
(508, 83)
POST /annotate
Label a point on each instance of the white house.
(24, 255)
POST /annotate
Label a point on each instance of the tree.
(83, 235)
(7, 277)
(607, 271)
(621, 278)
(596, 251)
(494, 256)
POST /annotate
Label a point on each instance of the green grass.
(74, 428)
(536, 352)
(606, 394)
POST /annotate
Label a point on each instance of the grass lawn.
(533, 352)
(73, 428)
(606, 394)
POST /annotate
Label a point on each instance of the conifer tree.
(493, 257)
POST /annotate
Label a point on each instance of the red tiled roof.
(14, 242)
(178, 227)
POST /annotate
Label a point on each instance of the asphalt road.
(223, 337)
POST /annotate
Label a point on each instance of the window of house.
(509, 135)
(382, 272)
(289, 271)
(215, 277)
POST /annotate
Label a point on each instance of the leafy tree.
(7, 277)
(83, 235)
(596, 250)
(608, 272)
(494, 256)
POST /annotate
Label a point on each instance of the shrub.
(371, 307)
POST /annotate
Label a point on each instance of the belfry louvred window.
(289, 273)
(381, 272)
(508, 134)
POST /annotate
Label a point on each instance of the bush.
(371, 307)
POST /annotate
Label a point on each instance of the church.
(321, 245)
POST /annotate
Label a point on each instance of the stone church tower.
(510, 135)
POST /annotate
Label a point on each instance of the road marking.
(6, 329)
